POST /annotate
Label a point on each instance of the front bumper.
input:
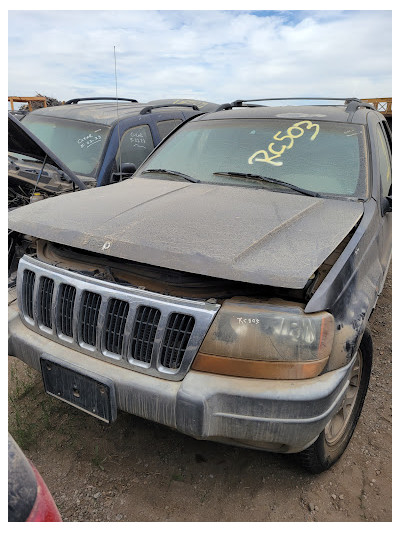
(285, 416)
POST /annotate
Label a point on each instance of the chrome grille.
(137, 329)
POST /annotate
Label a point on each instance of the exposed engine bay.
(27, 184)
(153, 278)
(163, 280)
(34, 174)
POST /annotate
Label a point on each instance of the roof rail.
(76, 100)
(149, 108)
(222, 107)
(238, 103)
(352, 103)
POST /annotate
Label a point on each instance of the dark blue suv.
(104, 141)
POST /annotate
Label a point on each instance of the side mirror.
(128, 168)
(387, 204)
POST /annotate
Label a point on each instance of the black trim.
(76, 100)
(149, 108)
(352, 103)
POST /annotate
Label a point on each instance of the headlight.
(275, 340)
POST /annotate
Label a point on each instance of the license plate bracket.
(84, 390)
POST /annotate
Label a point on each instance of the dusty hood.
(237, 233)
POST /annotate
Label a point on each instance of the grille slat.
(45, 301)
(90, 312)
(115, 325)
(65, 309)
(27, 292)
(144, 332)
(177, 335)
(170, 337)
(152, 333)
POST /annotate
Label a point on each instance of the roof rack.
(237, 103)
(149, 108)
(352, 103)
(76, 100)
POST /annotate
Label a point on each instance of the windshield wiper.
(171, 173)
(269, 180)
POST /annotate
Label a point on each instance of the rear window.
(323, 157)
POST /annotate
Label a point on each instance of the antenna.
(116, 96)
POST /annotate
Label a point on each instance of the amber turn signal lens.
(246, 368)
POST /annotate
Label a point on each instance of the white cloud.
(215, 55)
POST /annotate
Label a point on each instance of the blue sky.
(217, 55)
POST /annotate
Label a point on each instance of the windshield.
(78, 144)
(323, 157)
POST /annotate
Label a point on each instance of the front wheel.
(332, 442)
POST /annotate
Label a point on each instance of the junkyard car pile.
(225, 289)
(86, 143)
(98, 142)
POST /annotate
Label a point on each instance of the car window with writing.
(78, 144)
(136, 145)
(315, 155)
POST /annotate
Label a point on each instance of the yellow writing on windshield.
(274, 152)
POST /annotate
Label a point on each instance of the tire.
(332, 442)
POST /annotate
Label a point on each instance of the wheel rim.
(337, 426)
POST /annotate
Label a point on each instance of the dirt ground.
(136, 470)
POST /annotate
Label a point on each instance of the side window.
(136, 145)
(166, 126)
(385, 165)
